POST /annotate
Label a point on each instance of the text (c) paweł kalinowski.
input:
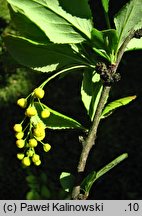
(57, 206)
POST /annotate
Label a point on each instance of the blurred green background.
(117, 134)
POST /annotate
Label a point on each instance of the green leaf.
(98, 39)
(112, 164)
(98, 43)
(56, 120)
(110, 40)
(105, 43)
(134, 44)
(45, 192)
(88, 182)
(33, 195)
(31, 179)
(4, 12)
(105, 4)
(41, 57)
(43, 178)
(32, 182)
(67, 181)
(128, 19)
(27, 28)
(115, 104)
(91, 91)
(58, 19)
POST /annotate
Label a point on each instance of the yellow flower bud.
(26, 161)
(45, 113)
(40, 125)
(37, 163)
(46, 147)
(39, 93)
(32, 143)
(20, 156)
(30, 111)
(19, 135)
(35, 158)
(38, 132)
(20, 143)
(41, 137)
(17, 128)
(22, 102)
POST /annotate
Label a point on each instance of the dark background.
(117, 134)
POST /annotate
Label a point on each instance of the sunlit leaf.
(128, 19)
(115, 104)
(67, 181)
(61, 21)
(91, 91)
(41, 57)
(56, 120)
(27, 28)
(134, 44)
(4, 12)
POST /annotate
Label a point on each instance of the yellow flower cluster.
(39, 131)
(33, 133)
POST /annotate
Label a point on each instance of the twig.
(90, 141)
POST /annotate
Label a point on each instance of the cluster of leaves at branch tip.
(28, 133)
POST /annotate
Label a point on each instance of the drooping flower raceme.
(29, 133)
